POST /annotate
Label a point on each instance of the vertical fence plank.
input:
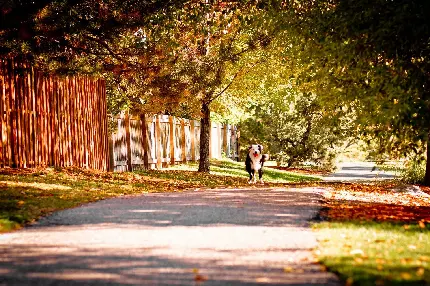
(85, 125)
(33, 118)
(29, 147)
(158, 146)
(78, 123)
(22, 107)
(193, 140)
(14, 118)
(106, 131)
(2, 92)
(38, 122)
(145, 141)
(128, 141)
(2, 111)
(184, 142)
(172, 139)
(8, 106)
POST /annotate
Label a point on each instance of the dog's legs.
(251, 177)
(260, 176)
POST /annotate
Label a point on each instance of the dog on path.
(254, 162)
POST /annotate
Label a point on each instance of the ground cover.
(376, 234)
(26, 195)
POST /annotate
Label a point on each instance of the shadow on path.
(215, 237)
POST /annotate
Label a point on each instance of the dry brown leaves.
(387, 202)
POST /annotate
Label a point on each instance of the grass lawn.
(26, 195)
(372, 253)
(375, 236)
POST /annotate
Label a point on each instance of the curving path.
(252, 236)
(359, 172)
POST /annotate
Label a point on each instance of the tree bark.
(427, 175)
(204, 164)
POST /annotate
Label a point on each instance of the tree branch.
(232, 80)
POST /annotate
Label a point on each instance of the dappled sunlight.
(157, 266)
(169, 239)
(35, 185)
(219, 252)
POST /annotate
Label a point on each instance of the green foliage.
(369, 56)
(413, 172)
(295, 128)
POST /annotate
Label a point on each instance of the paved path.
(358, 172)
(216, 237)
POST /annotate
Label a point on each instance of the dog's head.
(255, 150)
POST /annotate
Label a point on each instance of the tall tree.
(216, 49)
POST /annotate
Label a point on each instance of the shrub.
(414, 172)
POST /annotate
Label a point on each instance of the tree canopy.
(365, 60)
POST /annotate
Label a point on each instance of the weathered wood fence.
(158, 141)
(51, 120)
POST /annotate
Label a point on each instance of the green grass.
(237, 169)
(26, 195)
(372, 253)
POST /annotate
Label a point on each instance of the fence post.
(172, 139)
(225, 138)
(184, 149)
(111, 153)
(158, 142)
(144, 141)
(128, 141)
(219, 135)
(237, 144)
(193, 141)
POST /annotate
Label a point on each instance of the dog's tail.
(264, 158)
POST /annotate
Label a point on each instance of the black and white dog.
(254, 162)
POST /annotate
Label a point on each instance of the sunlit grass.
(231, 168)
(371, 253)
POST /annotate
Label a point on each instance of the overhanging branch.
(232, 80)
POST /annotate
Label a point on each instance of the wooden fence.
(132, 138)
(51, 120)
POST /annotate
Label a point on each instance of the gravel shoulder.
(251, 236)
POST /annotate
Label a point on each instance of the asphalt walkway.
(359, 172)
(213, 237)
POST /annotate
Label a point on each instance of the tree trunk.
(427, 176)
(204, 165)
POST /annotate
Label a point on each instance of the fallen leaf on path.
(200, 278)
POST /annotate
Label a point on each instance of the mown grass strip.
(237, 169)
(375, 253)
